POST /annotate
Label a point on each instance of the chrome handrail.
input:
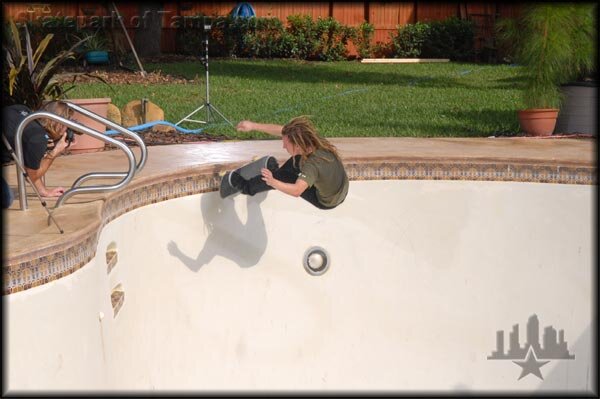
(82, 129)
(119, 128)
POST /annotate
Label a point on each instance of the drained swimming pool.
(431, 285)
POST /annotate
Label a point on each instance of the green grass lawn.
(343, 98)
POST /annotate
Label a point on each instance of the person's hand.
(61, 144)
(245, 126)
(54, 192)
(267, 177)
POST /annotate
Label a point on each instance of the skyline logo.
(528, 355)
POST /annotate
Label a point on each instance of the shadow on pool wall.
(243, 243)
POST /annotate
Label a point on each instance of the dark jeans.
(287, 173)
(7, 194)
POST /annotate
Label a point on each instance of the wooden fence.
(385, 16)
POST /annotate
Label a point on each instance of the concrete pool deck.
(36, 253)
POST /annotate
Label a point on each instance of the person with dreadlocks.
(314, 171)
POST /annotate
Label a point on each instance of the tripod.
(210, 109)
(22, 169)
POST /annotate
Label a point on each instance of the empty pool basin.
(431, 286)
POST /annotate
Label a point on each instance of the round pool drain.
(316, 261)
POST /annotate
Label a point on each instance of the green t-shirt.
(323, 170)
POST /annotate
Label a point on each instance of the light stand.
(210, 109)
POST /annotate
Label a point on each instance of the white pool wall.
(423, 274)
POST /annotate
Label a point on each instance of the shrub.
(190, 42)
(301, 30)
(451, 38)
(228, 34)
(189, 37)
(264, 38)
(332, 39)
(362, 37)
(383, 50)
(324, 39)
(408, 41)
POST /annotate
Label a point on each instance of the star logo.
(552, 346)
(531, 365)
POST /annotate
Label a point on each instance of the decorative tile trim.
(22, 275)
(501, 171)
(41, 267)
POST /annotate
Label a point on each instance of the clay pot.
(84, 142)
(538, 122)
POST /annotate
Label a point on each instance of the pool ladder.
(75, 188)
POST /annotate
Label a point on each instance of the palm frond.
(39, 51)
(555, 42)
(16, 38)
(28, 49)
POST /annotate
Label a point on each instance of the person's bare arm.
(36, 174)
(293, 189)
(41, 187)
(269, 128)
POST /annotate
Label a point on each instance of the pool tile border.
(43, 266)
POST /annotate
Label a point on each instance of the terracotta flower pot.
(538, 122)
(84, 142)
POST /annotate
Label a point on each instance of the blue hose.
(150, 124)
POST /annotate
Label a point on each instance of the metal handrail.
(82, 129)
(119, 128)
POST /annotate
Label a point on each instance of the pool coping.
(23, 271)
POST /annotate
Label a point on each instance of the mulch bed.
(114, 74)
(151, 138)
(80, 75)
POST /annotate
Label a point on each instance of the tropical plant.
(555, 43)
(26, 80)
(93, 42)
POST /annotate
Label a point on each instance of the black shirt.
(35, 142)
